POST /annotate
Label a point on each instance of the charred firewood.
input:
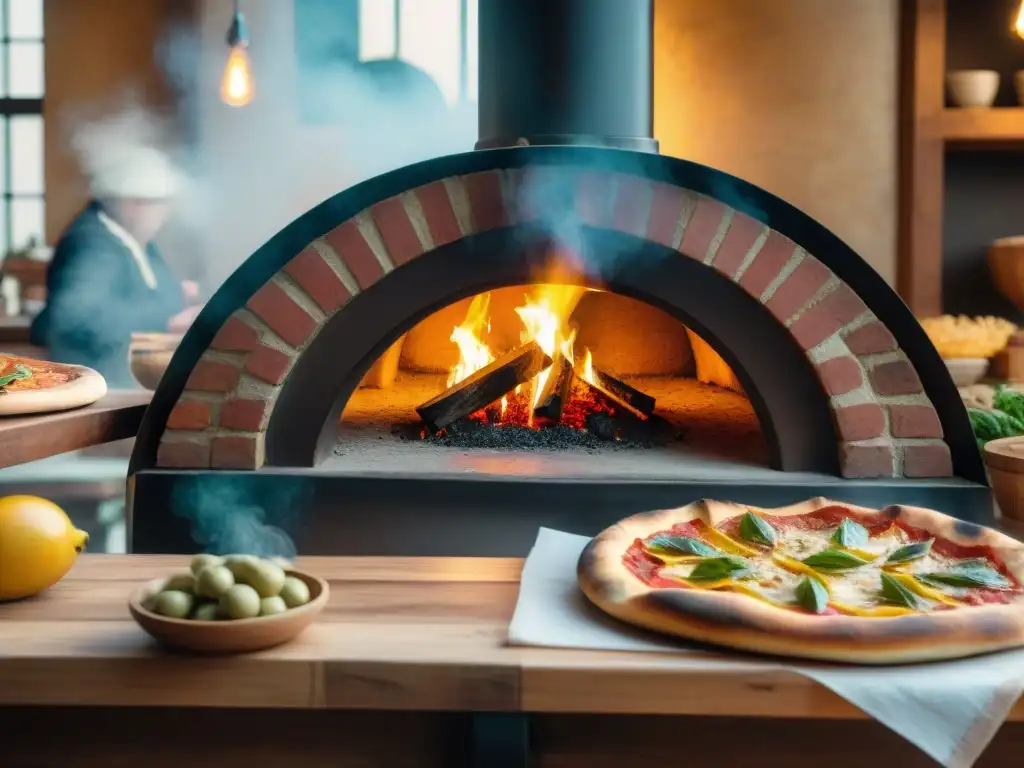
(482, 388)
(621, 394)
(557, 390)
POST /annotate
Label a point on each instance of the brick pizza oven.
(847, 395)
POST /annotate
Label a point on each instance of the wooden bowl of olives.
(230, 604)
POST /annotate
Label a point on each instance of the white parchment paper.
(950, 710)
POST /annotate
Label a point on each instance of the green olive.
(239, 564)
(240, 602)
(173, 604)
(206, 612)
(295, 592)
(149, 602)
(204, 561)
(271, 606)
(214, 581)
(180, 582)
(263, 576)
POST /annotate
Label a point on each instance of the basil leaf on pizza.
(850, 534)
(19, 372)
(968, 576)
(716, 568)
(910, 552)
(897, 594)
(811, 595)
(680, 546)
(757, 529)
(834, 560)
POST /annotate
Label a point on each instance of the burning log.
(480, 389)
(557, 389)
(620, 393)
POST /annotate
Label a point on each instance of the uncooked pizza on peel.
(820, 580)
(37, 386)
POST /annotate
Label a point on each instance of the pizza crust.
(85, 388)
(741, 622)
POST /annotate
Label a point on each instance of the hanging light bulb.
(236, 87)
(1018, 24)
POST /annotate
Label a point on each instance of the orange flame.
(236, 87)
(1018, 24)
(474, 353)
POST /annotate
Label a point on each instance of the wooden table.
(406, 647)
(28, 438)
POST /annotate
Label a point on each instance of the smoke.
(309, 134)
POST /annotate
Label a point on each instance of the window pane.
(27, 154)
(5, 246)
(472, 50)
(376, 29)
(26, 70)
(430, 39)
(27, 220)
(26, 18)
(4, 131)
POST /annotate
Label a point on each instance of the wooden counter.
(404, 644)
(28, 438)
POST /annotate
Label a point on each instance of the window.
(21, 123)
(439, 37)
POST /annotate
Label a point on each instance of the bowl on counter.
(227, 637)
(967, 370)
(1004, 460)
(149, 355)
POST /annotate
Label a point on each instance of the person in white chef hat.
(107, 280)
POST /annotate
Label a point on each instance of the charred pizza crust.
(741, 622)
(81, 386)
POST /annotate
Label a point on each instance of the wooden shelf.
(999, 126)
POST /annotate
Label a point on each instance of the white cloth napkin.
(949, 710)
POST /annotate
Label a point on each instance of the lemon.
(38, 545)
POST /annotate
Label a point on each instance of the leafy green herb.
(19, 372)
(716, 568)
(757, 529)
(968, 576)
(896, 593)
(680, 546)
(914, 551)
(834, 560)
(850, 534)
(1010, 402)
(994, 424)
(812, 595)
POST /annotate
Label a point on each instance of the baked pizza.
(819, 580)
(36, 386)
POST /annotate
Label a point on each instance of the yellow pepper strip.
(915, 586)
(729, 544)
(863, 554)
(793, 565)
(874, 611)
(678, 559)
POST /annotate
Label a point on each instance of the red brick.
(438, 211)
(825, 318)
(486, 201)
(396, 230)
(859, 461)
(666, 209)
(797, 289)
(236, 336)
(212, 376)
(244, 414)
(871, 339)
(914, 421)
(235, 452)
(192, 454)
(268, 364)
(632, 205)
(840, 375)
(860, 422)
(594, 198)
(348, 242)
(767, 264)
(190, 415)
(315, 277)
(895, 378)
(284, 316)
(539, 188)
(739, 239)
(702, 228)
(927, 460)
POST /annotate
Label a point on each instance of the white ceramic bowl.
(967, 370)
(973, 87)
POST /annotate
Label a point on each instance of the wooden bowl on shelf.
(228, 637)
(1004, 459)
(1006, 263)
(149, 355)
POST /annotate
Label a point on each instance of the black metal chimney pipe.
(566, 72)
